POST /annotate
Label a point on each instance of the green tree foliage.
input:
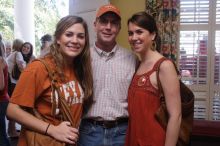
(46, 15)
(7, 19)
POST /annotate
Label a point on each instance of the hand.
(64, 132)
(21, 65)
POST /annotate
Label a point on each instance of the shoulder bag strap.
(157, 66)
(63, 104)
(160, 89)
(52, 79)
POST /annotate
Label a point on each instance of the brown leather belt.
(107, 124)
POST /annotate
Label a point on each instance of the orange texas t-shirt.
(34, 90)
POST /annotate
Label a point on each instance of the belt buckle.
(109, 124)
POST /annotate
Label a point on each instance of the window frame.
(210, 87)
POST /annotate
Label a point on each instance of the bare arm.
(62, 132)
(2, 81)
(173, 101)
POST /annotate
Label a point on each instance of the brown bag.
(187, 106)
(36, 139)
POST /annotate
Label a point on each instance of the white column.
(24, 20)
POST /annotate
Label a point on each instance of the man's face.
(107, 28)
(46, 44)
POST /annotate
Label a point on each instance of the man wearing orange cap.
(105, 122)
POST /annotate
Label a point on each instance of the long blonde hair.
(82, 63)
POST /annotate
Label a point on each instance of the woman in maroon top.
(143, 96)
(3, 95)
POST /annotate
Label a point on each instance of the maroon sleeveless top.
(143, 102)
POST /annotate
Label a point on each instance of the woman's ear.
(94, 25)
(153, 36)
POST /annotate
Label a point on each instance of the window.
(199, 55)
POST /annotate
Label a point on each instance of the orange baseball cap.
(107, 8)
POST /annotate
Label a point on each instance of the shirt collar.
(104, 53)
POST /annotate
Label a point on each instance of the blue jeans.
(97, 135)
(3, 136)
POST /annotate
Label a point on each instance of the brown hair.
(82, 63)
(146, 21)
(27, 57)
(16, 46)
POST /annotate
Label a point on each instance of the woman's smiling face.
(26, 49)
(72, 41)
(139, 38)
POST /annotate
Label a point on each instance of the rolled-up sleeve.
(30, 85)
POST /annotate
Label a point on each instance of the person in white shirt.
(105, 122)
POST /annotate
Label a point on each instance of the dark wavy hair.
(28, 56)
(146, 21)
(45, 38)
(82, 62)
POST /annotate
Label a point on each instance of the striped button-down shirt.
(112, 74)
